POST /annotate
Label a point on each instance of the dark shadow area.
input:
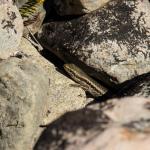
(85, 120)
(52, 58)
(51, 14)
(139, 86)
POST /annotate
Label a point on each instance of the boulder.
(121, 124)
(111, 43)
(64, 94)
(32, 94)
(11, 28)
(23, 102)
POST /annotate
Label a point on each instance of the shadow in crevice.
(52, 58)
(138, 86)
(52, 15)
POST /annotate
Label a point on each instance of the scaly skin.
(33, 15)
(86, 82)
(31, 10)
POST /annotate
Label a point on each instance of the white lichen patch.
(93, 25)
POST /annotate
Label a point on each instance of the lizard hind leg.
(32, 39)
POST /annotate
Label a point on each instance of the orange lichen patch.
(128, 134)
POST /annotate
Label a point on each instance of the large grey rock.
(121, 138)
(112, 43)
(121, 124)
(23, 102)
(32, 93)
(77, 7)
(63, 95)
(11, 28)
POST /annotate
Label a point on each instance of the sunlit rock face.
(11, 28)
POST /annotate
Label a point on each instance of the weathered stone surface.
(63, 95)
(6, 2)
(121, 124)
(77, 7)
(112, 43)
(23, 102)
(32, 93)
(119, 138)
(11, 28)
(126, 110)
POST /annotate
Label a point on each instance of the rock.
(64, 96)
(32, 93)
(75, 127)
(77, 7)
(126, 110)
(11, 28)
(121, 124)
(111, 44)
(123, 139)
(23, 102)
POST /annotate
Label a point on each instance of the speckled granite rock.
(32, 93)
(77, 7)
(23, 102)
(112, 43)
(121, 138)
(121, 124)
(11, 28)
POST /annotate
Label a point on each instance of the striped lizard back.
(30, 11)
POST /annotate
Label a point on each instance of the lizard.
(85, 81)
(30, 12)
